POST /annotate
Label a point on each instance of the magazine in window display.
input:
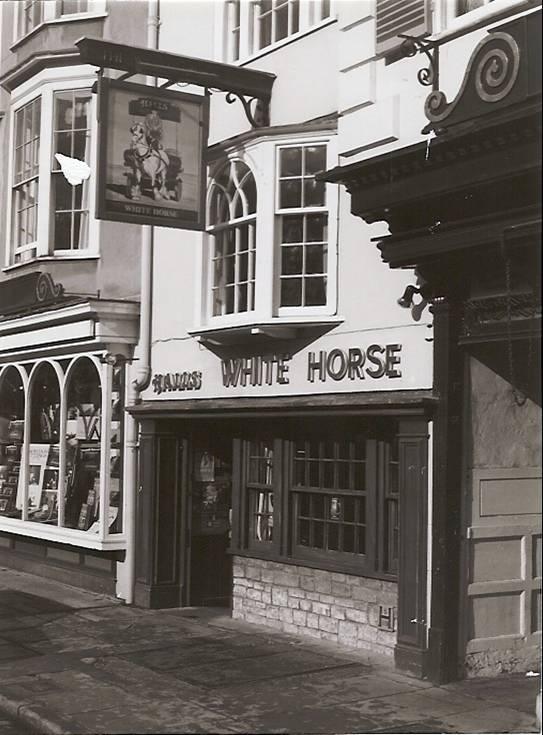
(151, 144)
(37, 461)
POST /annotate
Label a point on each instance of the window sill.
(329, 566)
(50, 259)
(280, 328)
(70, 536)
(55, 21)
(284, 42)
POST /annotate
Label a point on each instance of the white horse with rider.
(149, 159)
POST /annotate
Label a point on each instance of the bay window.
(270, 254)
(30, 14)
(49, 216)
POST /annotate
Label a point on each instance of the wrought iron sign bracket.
(259, 117)
(411, 46)
(252, 87)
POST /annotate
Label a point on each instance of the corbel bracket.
(256, 110)
(411, 46)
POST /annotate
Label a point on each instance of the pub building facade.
(292, 456)
(69, 306)
(296, 435)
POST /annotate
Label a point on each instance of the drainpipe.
(141, 375)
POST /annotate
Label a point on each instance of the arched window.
(232, 222)
(12, 413)
(83, 432)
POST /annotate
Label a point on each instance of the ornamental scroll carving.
(492, 73)
(47, 289)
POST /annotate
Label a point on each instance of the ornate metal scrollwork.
(411, 46)
(47, 289)
(260, 116)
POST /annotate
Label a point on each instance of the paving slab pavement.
(77, 662)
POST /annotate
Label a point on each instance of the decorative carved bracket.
(411, 46)
(47, 289)
(491, 74)
(260, 116)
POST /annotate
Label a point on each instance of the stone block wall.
(336, 607)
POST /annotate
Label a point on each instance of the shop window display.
(12, 409)
(69, 466)
(83, 435)
(43, 451)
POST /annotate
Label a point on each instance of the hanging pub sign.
(151, 164)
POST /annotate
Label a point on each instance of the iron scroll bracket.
(428, 76)
(257, 111)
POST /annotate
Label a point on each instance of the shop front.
(62, 397)
(286, 505)
(464, 210)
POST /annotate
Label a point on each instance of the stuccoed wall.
(314, 602)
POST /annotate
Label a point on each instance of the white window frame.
(44, 85)
(447, 22)
(51, 14)
(330, 200)
(261, 156)
(103, 540)
(249, 28)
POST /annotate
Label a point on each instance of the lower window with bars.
(324, 499)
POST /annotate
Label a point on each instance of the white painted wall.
(381, 107)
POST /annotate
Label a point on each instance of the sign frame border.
(104, 87)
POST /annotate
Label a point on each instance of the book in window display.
(84, 477)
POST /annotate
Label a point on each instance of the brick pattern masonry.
(336, 607)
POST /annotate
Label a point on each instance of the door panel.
(504, 566)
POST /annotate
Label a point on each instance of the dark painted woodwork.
(160, 555)
(443, 641)
(410, 647)
(370, 403)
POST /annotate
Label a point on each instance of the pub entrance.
(208, 515)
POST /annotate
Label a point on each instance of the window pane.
(291, 162)
(63, 193)
(290, 193)
(315, 259)
(63, 231)
(265, 30)
(328, 474)
(229, 299)
(64, 113)
(303, 533)
(292, 228)
(315, 159)
(242, 298)
(313, 193)
(292, 260)
(348, 539)
(316, 227)
(291, 292)
(294, 16)
(315, 291)
(281, 22)
(333, 536)
(63, 145)
(12, 411)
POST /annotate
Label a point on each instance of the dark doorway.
(209, 513)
